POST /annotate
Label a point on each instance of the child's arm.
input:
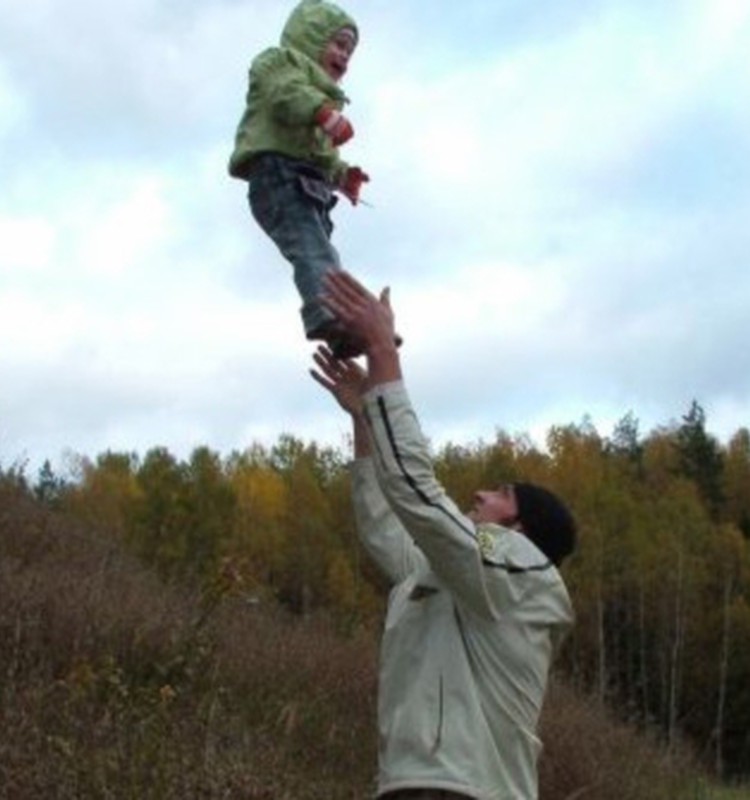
(290, 91)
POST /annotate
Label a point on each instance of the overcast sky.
(560, 204)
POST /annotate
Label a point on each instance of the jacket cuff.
(395, 390)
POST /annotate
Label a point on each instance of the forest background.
(660, 581)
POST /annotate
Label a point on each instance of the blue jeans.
(291, 200)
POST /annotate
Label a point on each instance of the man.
(477, 604)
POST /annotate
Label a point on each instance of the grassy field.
(115, 685)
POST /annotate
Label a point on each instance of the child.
(286, 146)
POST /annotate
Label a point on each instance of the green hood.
(312, 24)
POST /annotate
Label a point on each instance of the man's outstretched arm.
(381, 532)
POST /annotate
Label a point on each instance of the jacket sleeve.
(291, 96)
(381, 532)
(448, 538)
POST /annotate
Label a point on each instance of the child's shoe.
(343, 347)
(324, 331)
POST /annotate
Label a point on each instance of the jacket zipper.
(439, 733)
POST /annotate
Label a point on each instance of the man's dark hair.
(546, 520)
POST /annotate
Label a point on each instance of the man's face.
(335, 58)
(495, 505)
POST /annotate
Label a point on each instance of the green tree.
(157, 530)
(309, 540)
(107, 493)
(49, 487)
(207, 507)
(737, 481)
(700, 458)
(258, 540)
(625, 443)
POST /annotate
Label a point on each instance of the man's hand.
(345, 380)
(351, 183)
(357, 309)
(335, 125)
(366, 317)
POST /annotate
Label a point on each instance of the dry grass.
(114, 685)
(589, 755)
(117, 686)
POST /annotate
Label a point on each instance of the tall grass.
(115, 685)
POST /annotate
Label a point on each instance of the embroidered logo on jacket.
(485, 542)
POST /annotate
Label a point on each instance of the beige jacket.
(473, 620)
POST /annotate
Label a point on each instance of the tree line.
(660, 580)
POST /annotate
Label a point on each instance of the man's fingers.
(345, 280)
(335, 369)
(346, 297)
(385, 297)
(324, 382)
(331, 302)
(323, 355)
(324, 359)
(345, 285)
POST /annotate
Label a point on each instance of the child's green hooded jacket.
(287, 86)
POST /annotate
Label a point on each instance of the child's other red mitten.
(351, 183)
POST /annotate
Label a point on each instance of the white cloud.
(13, 108)
(27, 244)
(127, 229)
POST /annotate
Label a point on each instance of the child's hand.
(351, 183)
(335, 125)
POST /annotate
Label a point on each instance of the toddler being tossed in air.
(286, 146)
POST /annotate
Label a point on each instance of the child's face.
(335, 58)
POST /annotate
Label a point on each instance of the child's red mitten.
(351, 183)
(335, 125)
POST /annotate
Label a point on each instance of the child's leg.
(293, 209)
